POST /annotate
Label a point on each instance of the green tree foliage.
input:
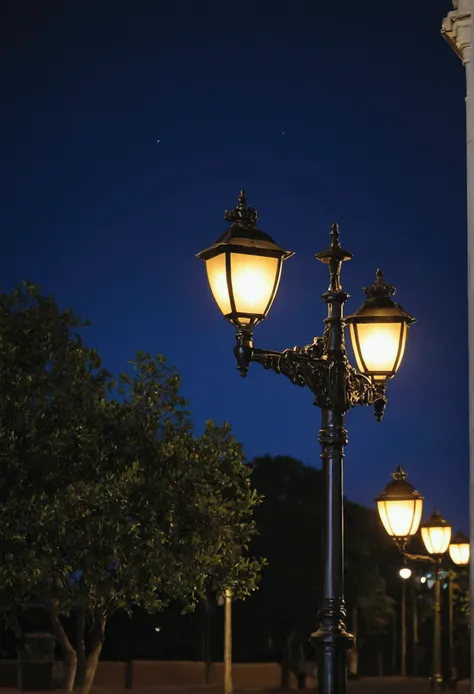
(108, 502)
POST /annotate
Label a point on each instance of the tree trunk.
(68, 652)
(353, 656)
(206, 641)
(286, 661)
(380, 659)
(97, 639)
(80, 647)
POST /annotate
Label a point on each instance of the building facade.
(458, 30)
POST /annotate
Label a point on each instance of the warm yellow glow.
(377, 347)
(460, 553)
(405, 573)
(436, 539)
(216, 274)
(400, 517)
(253, 282)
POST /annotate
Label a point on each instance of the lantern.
(459, 549)
(379, 331)
(400, 507)
(244, 268)
(436, 534)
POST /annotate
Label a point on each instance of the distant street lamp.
(400, 508)
(459, 551)
(244, 268)
(405, 574)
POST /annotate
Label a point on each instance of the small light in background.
(423, 579)
(157, 628)
(405, 572)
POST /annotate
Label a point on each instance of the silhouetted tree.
(107, 503)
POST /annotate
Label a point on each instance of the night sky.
(321, 111)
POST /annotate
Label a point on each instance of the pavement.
(375, 685)
(370, 685)
(397, 685)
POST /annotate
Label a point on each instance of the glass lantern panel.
(253, 281)
(436, 540)
(400, 517)
(460, 553)
(376, 346)
(217, 276)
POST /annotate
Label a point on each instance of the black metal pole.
(453, 674)
(415, 629)
(332, 640)
(403, 632)
(436, 675)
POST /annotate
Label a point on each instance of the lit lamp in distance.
(459, 550)
(400, 508)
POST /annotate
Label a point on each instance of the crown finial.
(399, 473)
(242, 214)
(379, 289)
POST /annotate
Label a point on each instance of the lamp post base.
(453, 678)
(331, 653)
(436, 683)
(331, 643)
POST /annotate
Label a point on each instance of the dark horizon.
(128, 131)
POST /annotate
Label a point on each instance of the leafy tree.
(107, 503)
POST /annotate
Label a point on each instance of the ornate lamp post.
(400, 508)
(459, 551)
(244, 269)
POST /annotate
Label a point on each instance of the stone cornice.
(457, 30)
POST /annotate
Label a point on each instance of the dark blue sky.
(371, 101)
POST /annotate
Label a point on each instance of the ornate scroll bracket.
(361, 391)
(303, 369)
(421, 557)
(334, 383)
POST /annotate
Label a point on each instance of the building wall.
(470, 245)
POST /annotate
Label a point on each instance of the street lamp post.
(415, 628)
(405, 574)
(400, 508)
(244, 269)
(459, 551)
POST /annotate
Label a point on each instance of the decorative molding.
(457, 29)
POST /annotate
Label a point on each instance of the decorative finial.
(379, 289)
(399, 474)
(242, 214)
(334, 233)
